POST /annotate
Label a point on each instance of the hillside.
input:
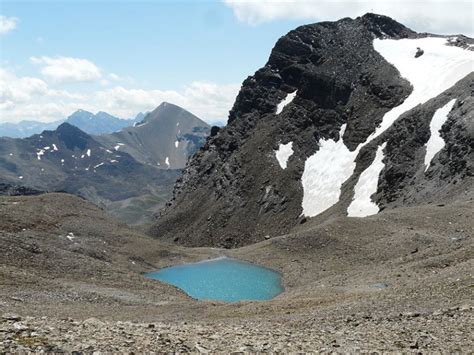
(68, 159)
(120, 171)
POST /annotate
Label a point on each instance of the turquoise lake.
(222, 279)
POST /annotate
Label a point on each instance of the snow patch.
(117, 147)
(88, 152)
(55, 148)
(439, 68)
(114, 161)
(288, 98)
(167, 161)
(324, 173)
(284, 152)
(70, 236)
(39, 154)
(176, 144)
(366, 186)
(96, 166)
(436, 143)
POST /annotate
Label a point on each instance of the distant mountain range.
(130, 173)
(99, 123)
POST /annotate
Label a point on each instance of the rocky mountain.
(345, 119)
(100, 123)
(165, 138)
(130, 173)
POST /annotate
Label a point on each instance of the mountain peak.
(383, 26)
(72, 136)
(80, 112)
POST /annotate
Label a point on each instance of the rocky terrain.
(71, 280)
(125, 172)
(332, 96)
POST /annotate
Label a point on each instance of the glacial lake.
(222, 279)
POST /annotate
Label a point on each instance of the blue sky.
(127, 56)
(158, 45)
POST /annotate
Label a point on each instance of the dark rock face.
(233, 191)
(18, 190)
(404, 181)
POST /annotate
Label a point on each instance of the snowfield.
(284, 152)
(436, 143)
(324, 173)
(439, 68)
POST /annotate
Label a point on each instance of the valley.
(399, 280)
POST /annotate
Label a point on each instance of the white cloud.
(114, 77)
(209, 101)
(7, 24)
(67, 69)
(26, 98)
(16, 90)
(437, 16)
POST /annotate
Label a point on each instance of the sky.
(125, 57)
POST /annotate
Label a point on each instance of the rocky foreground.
(444, 329)
(71, 279)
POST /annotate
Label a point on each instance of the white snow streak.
(324, 173)
(436, 143)
(176, 144)
(55, 148)
(88, 152)
(285, 101)
(362, 205)
(167, 161)
(284, 152)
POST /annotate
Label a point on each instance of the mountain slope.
(166, 137)
(68, 159)
(337, 123)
